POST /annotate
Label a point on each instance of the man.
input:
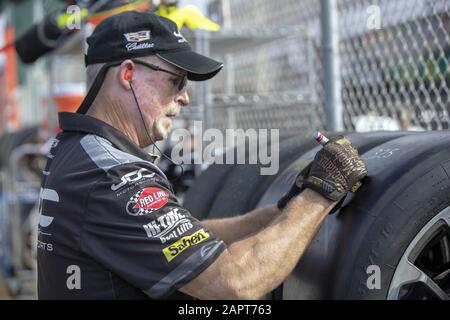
(110, 226)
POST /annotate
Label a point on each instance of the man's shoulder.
(104, 154)
(90, 159)
(120, 166)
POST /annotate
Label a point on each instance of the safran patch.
(147, 200)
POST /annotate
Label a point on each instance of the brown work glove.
(337, 168)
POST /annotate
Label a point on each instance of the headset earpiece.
(128, 74)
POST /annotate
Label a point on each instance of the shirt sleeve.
(135, 227)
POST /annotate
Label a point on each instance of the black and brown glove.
(337, 169)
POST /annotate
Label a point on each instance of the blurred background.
(292, 65)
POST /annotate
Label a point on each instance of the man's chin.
(162, 132)
(161, 135)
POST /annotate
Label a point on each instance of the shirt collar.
(69, 121)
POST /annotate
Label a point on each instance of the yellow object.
(189, 16)
(356, 186)
(179, 246)
(65, 19)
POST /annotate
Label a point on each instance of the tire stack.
(390, 240)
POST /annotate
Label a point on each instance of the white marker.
(320, 138)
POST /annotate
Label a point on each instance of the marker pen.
(320, 138)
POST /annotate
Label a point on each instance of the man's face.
(159, 98)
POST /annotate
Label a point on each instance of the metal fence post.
(314, 105)
(207, 88)
(200, 86)
(204, 95)
(330, 62)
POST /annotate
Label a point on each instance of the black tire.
(313, 272)
(407, 189)
(362, 141)
(244, 184)
(199, 198)
(408, 186)
(5, 143)
(12, 140)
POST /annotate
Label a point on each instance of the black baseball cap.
(133, 34)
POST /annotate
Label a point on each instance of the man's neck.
(113, 114)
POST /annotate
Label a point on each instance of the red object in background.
(96, 18)
(69, 96)
(11, 82)
(11, 61)
(68, 103)
(9, 110)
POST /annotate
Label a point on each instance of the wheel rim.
(423, 272)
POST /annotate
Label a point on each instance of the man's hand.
(336, 169)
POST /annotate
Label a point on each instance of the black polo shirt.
(110, 226)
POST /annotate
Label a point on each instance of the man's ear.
(126, 73)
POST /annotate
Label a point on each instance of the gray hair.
(91, 72)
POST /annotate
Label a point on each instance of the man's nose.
(183, 98)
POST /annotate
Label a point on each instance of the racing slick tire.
(237, 194)
(199, 198)
(390, 240)
(398, 226)
(242, 187)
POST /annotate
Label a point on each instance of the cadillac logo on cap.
(138, 36)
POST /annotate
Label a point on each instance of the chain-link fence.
(390, 63)
(399, 70)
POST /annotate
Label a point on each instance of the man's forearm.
(252, 267)
(235, 228)
(288, 235)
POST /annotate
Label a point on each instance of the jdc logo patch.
(133, 177)
(147, 200)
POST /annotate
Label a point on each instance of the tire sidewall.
(381, 234)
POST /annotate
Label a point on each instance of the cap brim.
(198, 67)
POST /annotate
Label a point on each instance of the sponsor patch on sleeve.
(168, 226)
(176, 248)
(147, 200)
